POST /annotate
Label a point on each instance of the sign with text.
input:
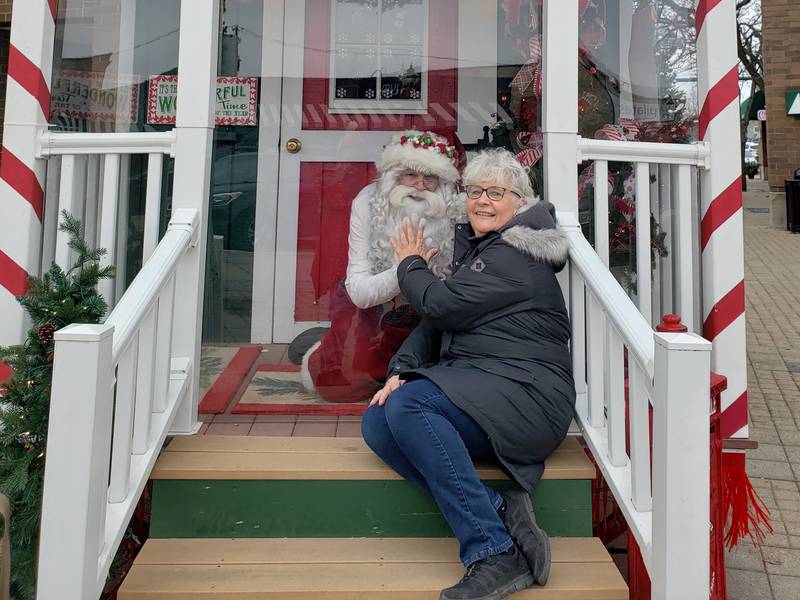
(793, 102)
(89, 96)
(236, 100)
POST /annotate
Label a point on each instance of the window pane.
(402, 22)
(356, 21)
(356, 69)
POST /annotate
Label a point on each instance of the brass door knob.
(293, 146)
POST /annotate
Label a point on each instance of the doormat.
(222, 370)
(277, 390)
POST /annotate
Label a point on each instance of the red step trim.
(299, 409)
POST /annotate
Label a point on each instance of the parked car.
(233, 200)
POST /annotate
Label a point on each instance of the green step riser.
(263, 509)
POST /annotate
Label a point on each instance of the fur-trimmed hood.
(534, 232)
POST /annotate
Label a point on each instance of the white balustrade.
(88, 176)
(666, 284)
(667, 507)
(115, 393)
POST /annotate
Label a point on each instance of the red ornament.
(593, 70)
(403, 139)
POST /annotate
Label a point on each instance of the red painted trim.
(30, 77)
(220, 394)
(12, 277)
(281, 368)
(719, 384)
(724, 206)
(53, 8)
(299, 409)
(725, 312)
(734, 417)
(703, 8)
(17, 174)
(725, 91)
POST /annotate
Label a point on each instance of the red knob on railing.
(671, 324)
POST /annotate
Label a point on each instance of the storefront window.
(234, 174)
(106, 51)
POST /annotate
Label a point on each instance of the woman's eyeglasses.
(494, 193)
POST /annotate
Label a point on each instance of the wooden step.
(346, 569)
(309, 458)
(265, 487)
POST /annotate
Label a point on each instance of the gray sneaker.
(517, 514)
(492, 578)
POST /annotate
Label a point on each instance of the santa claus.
(369, 318)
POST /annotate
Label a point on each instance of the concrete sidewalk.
(772, 284)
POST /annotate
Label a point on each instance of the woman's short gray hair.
(501, 167)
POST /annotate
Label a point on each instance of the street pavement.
(771, 571)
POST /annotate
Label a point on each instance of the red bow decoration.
(532, 148)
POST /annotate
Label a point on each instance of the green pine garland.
(57, 299)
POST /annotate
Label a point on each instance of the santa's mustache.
(433, 203)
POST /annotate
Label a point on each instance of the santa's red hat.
(423, 151)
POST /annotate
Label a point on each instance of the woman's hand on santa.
(382, 394)
(410, 241)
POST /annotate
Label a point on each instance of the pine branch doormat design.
(222, 370)
(277, 390)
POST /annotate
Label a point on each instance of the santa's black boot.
(517, 514)
(492, 578)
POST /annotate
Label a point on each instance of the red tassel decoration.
(744, 510)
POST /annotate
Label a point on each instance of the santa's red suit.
(369, 317)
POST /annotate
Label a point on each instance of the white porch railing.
(88, 175)
(666, 187)
(116, 389)
(667, 508)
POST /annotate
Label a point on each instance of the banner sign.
(236, 100)
(91, 96)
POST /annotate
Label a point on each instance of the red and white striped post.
(721, 233)
(22, 175)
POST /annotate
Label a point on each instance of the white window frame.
(378, 106)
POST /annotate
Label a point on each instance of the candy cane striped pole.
(22, 175)
(721, 232)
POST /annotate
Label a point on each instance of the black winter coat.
(494, 337)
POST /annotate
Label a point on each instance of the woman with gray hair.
(486, 375)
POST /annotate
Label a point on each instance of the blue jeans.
(428, 440)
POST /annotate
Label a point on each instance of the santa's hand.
(410, 241)
(382, 394)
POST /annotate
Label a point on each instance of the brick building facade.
(781, 34)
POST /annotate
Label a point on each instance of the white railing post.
(680, 564)
(197, 66)
(77, 463)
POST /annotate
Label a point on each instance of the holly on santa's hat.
(423, 151)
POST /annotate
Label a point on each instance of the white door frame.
(272, 49)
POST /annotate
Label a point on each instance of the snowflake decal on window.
(415, 95)
(341, 93)
(415, 38)
(371, 38)
(343, 37)
(370, 94)
(371, 53)
(387, 38)
(342, 52)
(387, 92)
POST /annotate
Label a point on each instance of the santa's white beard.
(416, 204)
(420, 205)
